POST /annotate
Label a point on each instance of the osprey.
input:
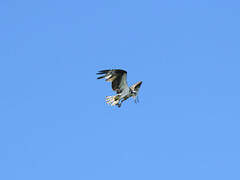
(118, 77)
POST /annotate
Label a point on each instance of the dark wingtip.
(103, 71)
(99, 72)
(100, 77)
(139, 83)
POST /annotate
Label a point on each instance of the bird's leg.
(119, 104)
(116, 99)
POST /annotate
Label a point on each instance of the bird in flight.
(118, 78)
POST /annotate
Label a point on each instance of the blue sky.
(54, 120)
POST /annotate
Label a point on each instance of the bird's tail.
(112, 100)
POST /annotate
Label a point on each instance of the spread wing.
(118, 77)
(136, 86)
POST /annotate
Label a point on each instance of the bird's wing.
(118, 78)
(136, 86)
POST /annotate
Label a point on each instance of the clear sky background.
(54, 123)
